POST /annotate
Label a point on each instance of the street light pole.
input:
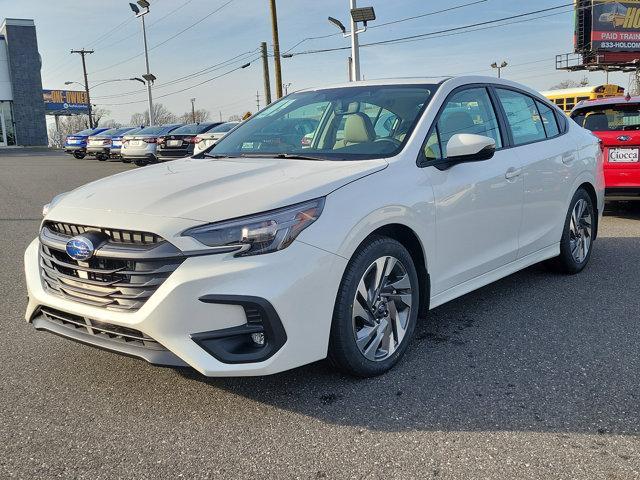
(146, 59)
(499, 67)
(355, 48)
(149, 77)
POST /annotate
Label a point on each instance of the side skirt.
(490, 277)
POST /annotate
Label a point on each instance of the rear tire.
(79, 155)
(140, 163)
(102, 157)
(576, 243)
(376, 309)
(126, 160)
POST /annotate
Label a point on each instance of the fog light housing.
(255, 341)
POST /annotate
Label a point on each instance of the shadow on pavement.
(535, 351)
(628, 210)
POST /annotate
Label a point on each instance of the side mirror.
(466, 147)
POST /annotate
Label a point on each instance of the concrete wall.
(24, 71)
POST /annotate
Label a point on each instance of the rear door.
(549, 159)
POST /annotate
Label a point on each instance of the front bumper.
(300, 283)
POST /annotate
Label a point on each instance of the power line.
(431, 34)
(235, 59)
(435, 12)
(188, 88)
(167, 39)
(150, 25)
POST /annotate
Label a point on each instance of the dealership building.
(22, 109)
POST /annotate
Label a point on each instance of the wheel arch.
(591, 191)
(411, 241)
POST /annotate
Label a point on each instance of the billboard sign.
(65, 102)
(615, 26)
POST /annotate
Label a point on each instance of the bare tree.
(201, 115)
(571, 84)
(70, 124)
(161, 115)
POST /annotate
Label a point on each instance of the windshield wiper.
(295, 156)
(218, 155)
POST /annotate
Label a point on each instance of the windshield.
(350, 123)
(625, 116)
(159, 130)
(191, 129)
(225, 127)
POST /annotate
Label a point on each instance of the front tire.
(79, 155)
(376, 309)
(576, 243)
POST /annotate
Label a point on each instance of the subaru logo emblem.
(80, 248)
(624, 138)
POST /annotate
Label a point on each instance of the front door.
(478, 204)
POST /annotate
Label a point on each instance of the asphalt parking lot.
(535, 376)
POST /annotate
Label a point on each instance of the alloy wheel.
(382, 308)
(580, 230)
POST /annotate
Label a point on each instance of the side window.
(468, 111)
(431, 148)
(522, 116)
(548, 120)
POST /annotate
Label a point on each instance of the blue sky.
(530, 47)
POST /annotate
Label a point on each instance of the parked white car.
(205, 140)
(266, 255)
(141, 146)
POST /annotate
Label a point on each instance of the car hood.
(216, 189)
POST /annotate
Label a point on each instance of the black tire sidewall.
(566, 260)
(343, 350)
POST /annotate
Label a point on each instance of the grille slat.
(115, 236)
(97, 328)
(115, 283)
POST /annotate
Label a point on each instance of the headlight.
(261, 233)
(47, 207)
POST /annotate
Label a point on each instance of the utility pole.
(193, 110)
(82, 53)
(265, 73)
(258, 100)
(220, 112)
(276, 48)
(355, 49)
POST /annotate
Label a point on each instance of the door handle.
(513, 173)
(568, 158)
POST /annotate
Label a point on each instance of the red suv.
(616, 121)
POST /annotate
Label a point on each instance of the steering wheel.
(393, 141)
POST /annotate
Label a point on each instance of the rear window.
(606, 118)
(191, 129)
(159, 130)
(225, 127)
(86, 132)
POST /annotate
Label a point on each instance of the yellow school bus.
(567, 98)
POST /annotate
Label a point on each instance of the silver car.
(140, 147)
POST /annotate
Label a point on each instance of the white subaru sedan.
(270, 252)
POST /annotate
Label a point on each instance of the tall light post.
(499, 67)
(149, 77)
(358, 15)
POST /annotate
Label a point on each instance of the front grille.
(114, 333)
(115, 235)
(116, 277)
